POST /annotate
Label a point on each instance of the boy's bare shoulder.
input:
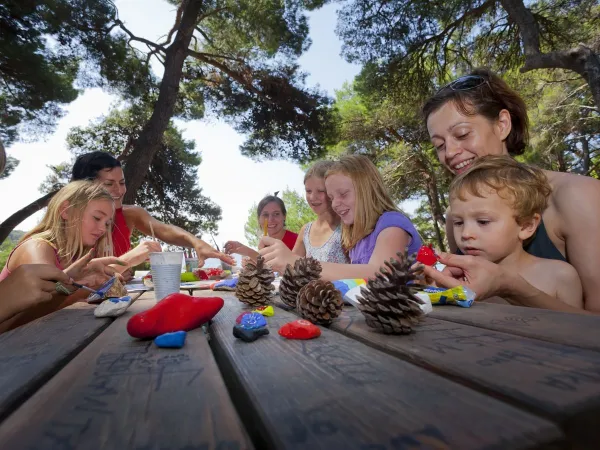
(553, 272)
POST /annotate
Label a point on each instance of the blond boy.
(496, 206)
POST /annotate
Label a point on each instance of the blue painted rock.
(113, 307)
(253, 320)
(171, 340)
(249, 334)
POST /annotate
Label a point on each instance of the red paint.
(300, 329)
(176, 312)
(427, 256)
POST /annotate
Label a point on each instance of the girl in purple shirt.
(373, 229)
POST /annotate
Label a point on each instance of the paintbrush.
(265, 225)
(81, 286)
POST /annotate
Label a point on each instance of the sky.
(230, 180)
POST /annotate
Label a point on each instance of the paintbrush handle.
(81, 286)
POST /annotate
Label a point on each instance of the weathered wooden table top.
(491, 376)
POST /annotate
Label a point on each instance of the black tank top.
(540, 246)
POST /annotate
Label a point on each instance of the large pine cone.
(294, 279)
(255, 283)
(388, 302)
(320, 302)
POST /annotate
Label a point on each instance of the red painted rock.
(300, 329)
(427, 256)
(176, 312)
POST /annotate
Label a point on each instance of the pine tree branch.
(133, 37)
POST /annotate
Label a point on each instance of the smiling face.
(316, 195)
(113, 181)
(486, 226)
(459, 138)
(342, 194)
(273, 214)
(95, 221)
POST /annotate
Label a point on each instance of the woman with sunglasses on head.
(478, 115)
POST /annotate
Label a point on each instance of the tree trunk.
(585, 161)
(436, 227)
(9, 224)
(149, 141)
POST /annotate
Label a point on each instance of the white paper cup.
(166, 273)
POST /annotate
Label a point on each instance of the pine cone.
(294, 279)
(320, 302)
(389, 303)
(117, 290)
(255, 283)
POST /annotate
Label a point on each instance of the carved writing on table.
(101, 398)
(349, 365)
(515, 320)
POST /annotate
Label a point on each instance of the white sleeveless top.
(331, 251)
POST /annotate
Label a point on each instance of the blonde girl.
(373, 229)
(76, 221)
(322, 238)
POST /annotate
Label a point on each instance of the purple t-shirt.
(362, 251)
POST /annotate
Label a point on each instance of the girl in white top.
(322, 238)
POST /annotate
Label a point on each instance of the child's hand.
(93, 272)
(427, 280)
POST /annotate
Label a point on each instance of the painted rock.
(113, 307)
(266, 311)
(225, 285)
(176, 312)
(238, 319)
(426, 255)
(252, 321)
(299, 329)
(171, 340)
(249, 335)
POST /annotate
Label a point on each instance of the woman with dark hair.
(106, 170)
(271, 212)
(478, 115)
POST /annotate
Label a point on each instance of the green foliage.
(11, 164)
(564, 127)
(170, 191)
(8, 245)
(425, 225)
(298, 214)
(411, 45)
(48, 46)
(243, 68)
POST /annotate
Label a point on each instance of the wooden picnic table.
(490, 376)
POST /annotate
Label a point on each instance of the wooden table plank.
(556, 381)
(577, 330)
(336, 393)
(122, 393)
(32, 353)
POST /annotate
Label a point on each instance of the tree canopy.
(49, 50)
(415, 44)
(170, 191)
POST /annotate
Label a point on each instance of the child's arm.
(568, 285)
(299, 248)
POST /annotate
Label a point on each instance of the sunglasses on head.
(465, 83)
